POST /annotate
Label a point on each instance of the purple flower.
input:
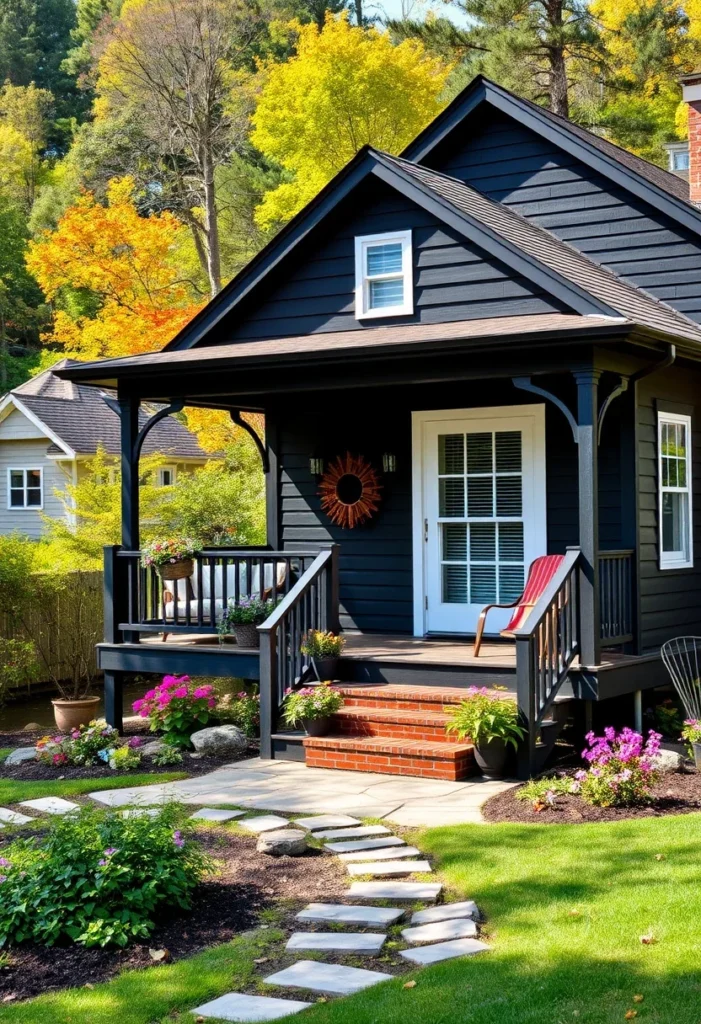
(135, 741)
(3, 878)
(4, 863)
(110, 851)
(178, 839)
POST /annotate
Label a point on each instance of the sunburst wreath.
(350, 491)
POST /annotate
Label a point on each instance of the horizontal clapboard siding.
(515, 166)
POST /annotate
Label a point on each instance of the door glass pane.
(483, 584)
(511, 542)
(455, 584)
(451, 498)
(483, 537)
(509, 502)
(451, 454)
(510, 583)
(455, 542)
(480, 453)
(508, 451)
(480, 498)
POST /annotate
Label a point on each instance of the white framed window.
(25, 488)
(166, 476)
(383, 275)
(675, 512)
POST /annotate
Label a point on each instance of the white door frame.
(536, 412)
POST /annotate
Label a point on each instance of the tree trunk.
(559, 100)
(3, 351)
(359, 12)
(212, 230)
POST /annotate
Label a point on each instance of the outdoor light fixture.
(389, 462)
(316, 466)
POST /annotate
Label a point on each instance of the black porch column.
(587, 450)
(129, 417)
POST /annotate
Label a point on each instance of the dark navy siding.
(513, 165)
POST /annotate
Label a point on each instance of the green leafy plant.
(319, 644)
(241, 709)
(169, 755)
(668, 718)
(542, 793)
(124, 758)
(250, 611)
(18, 664)
(168, 552)
(311, 703)
(99, 879)
(691, 732)
(486, 715)
(177, 707)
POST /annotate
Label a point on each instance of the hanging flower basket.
(181, 570)
(171, 558)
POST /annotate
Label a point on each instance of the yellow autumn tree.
(126, 264)
(344, 88)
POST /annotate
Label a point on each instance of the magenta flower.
(135, 741)
(4, 863)
(178, 839)
(180, 692)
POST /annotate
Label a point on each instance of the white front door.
(480, 512)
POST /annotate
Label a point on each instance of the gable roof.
(78, 420)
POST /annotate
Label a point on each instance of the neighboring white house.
(49, 428)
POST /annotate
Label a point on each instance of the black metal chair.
(682, 659)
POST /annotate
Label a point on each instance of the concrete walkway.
(291, 787)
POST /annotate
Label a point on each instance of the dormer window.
(383, 275)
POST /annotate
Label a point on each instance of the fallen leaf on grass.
(88, 985)
(648, 940)
(638, 999)
(409, 984)
(322, 999)
(199, 1020)
(261, 960)
(631, 1014)
(159, 955)
(575, 913)
(660, 856)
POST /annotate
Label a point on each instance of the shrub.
(249, 611)
(83, 746)
(123, 758)
(311, 703)
(177, 707)
(621, 768)
(241, 709)
(169, 755)
(668, 718)
(318, 644)
(691, 731)
(18, 665)
(97, 880)
(486, 715)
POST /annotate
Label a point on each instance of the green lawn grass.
(13, 791)
(4, 752)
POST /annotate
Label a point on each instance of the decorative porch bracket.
(660, 364)
(176, 406)
(262, 451)
(525, 384)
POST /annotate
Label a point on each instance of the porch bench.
(183, 595)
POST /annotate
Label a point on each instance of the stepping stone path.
(216, 814)
(437, 933)
(13, 817)
(285, 842)
(51, 805)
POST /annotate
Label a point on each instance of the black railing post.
(268, 689)
(587, 450)
(525, 695)
(114, 605)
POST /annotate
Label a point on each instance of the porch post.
(587, 451)
(129, 421)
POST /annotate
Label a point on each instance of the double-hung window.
(166, 476)
(674, 448)
(25, 488)
(383, 275)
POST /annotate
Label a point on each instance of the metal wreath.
(350, 491)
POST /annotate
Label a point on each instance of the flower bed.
(177, 707)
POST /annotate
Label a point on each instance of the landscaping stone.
(51, 805)
(216, 814)
(264, 823)
(326, 821)
(342, 914)
(466, 908)
(444, 951)
(365, 844)
(239, 1007)
(14, 817)
(386, 867)
(329, 979)
(353, 833)
(384, 853)
(32, 727)
(152, 747)
(20, 755)
(441, 931)
(219, 741)
(288, 842)
(141, 812)
(338, 942)
(665, 760)
(395, 890)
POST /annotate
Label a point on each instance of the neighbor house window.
(383, 275)
(166, 476)
(674, 445)
(25, 488)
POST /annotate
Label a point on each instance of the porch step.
(408, 698)
(397, 723)
(387, 756)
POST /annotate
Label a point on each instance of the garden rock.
(287, 842)
(668, 761)
(219, 741)
(21, 754)
(31, 727)
(152, 748)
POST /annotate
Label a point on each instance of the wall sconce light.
(316, 466)
(389, 462)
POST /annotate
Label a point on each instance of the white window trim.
(362, 242)
(173, 476)
(24, 470)
(669, 560)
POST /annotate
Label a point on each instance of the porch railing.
(312, 603)
(616, 580)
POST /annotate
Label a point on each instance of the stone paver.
(444, 951)
(21, 754)
(51, 805)
(239, 1007)
(338, 942)
(216, 814)
(264, 823)
(350, 833)
(141, 812)
(466, 908)
(14, 817)
(441, 931)
(320, 821)
(343, 914)
(329, 979)
(384, 853)
(365, 844)
(395, 890)
(387, 867)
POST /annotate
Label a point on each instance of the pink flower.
(137, 705)
(202, 691)
(59, 759)
(211, 702)
(143, 713)
(180, 692)
(178, 839)
(4, 863)
(135, 741)
(75, 735)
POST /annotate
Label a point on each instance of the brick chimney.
(691, 92)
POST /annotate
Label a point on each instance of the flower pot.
(326, 669)
(181, 570)
(491, 758)
(246, 634)
(71, 714)
(697, 755)
(317, 726)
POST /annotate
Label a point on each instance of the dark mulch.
(224, 906)
(676, 793)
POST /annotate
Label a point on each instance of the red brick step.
(423, 758)
(394, 722)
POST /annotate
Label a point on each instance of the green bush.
(99, 879)
(486, 715)
(169, 755)
(241, 709)
(18, 665)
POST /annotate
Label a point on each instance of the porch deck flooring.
(428, 650)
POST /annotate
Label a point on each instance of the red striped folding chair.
(540, 573)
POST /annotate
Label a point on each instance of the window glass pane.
(16, 478)
(17, 499)
(483, 546)
(33, 478)
(509, 501)
(451, 453)
(510, 582)
(33, 496)
(386, 293)
(510, 542)
(483, 584)
(480, 499)
(674, 519)
(384, 259)
(451, 498)
(508, 451)
(454, 584)
(454, 542)
(479, 453)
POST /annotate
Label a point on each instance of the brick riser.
(404, 724)
(430, 767)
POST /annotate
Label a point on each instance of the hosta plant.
(622, 768)
(177, 707)
(486, 715)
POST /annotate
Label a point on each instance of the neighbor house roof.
(78, 420)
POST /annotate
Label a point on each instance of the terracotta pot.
(491, 758)
(326, 669)
(181, 570)
(70, 714)
(246, 634)
(317, 726)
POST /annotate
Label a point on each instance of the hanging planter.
(350, 491)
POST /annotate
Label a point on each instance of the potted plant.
(490, 720)
(692, 734)
(312, 708)
(325, 650)
(243, 619)
(75, 707)
(171, 558)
